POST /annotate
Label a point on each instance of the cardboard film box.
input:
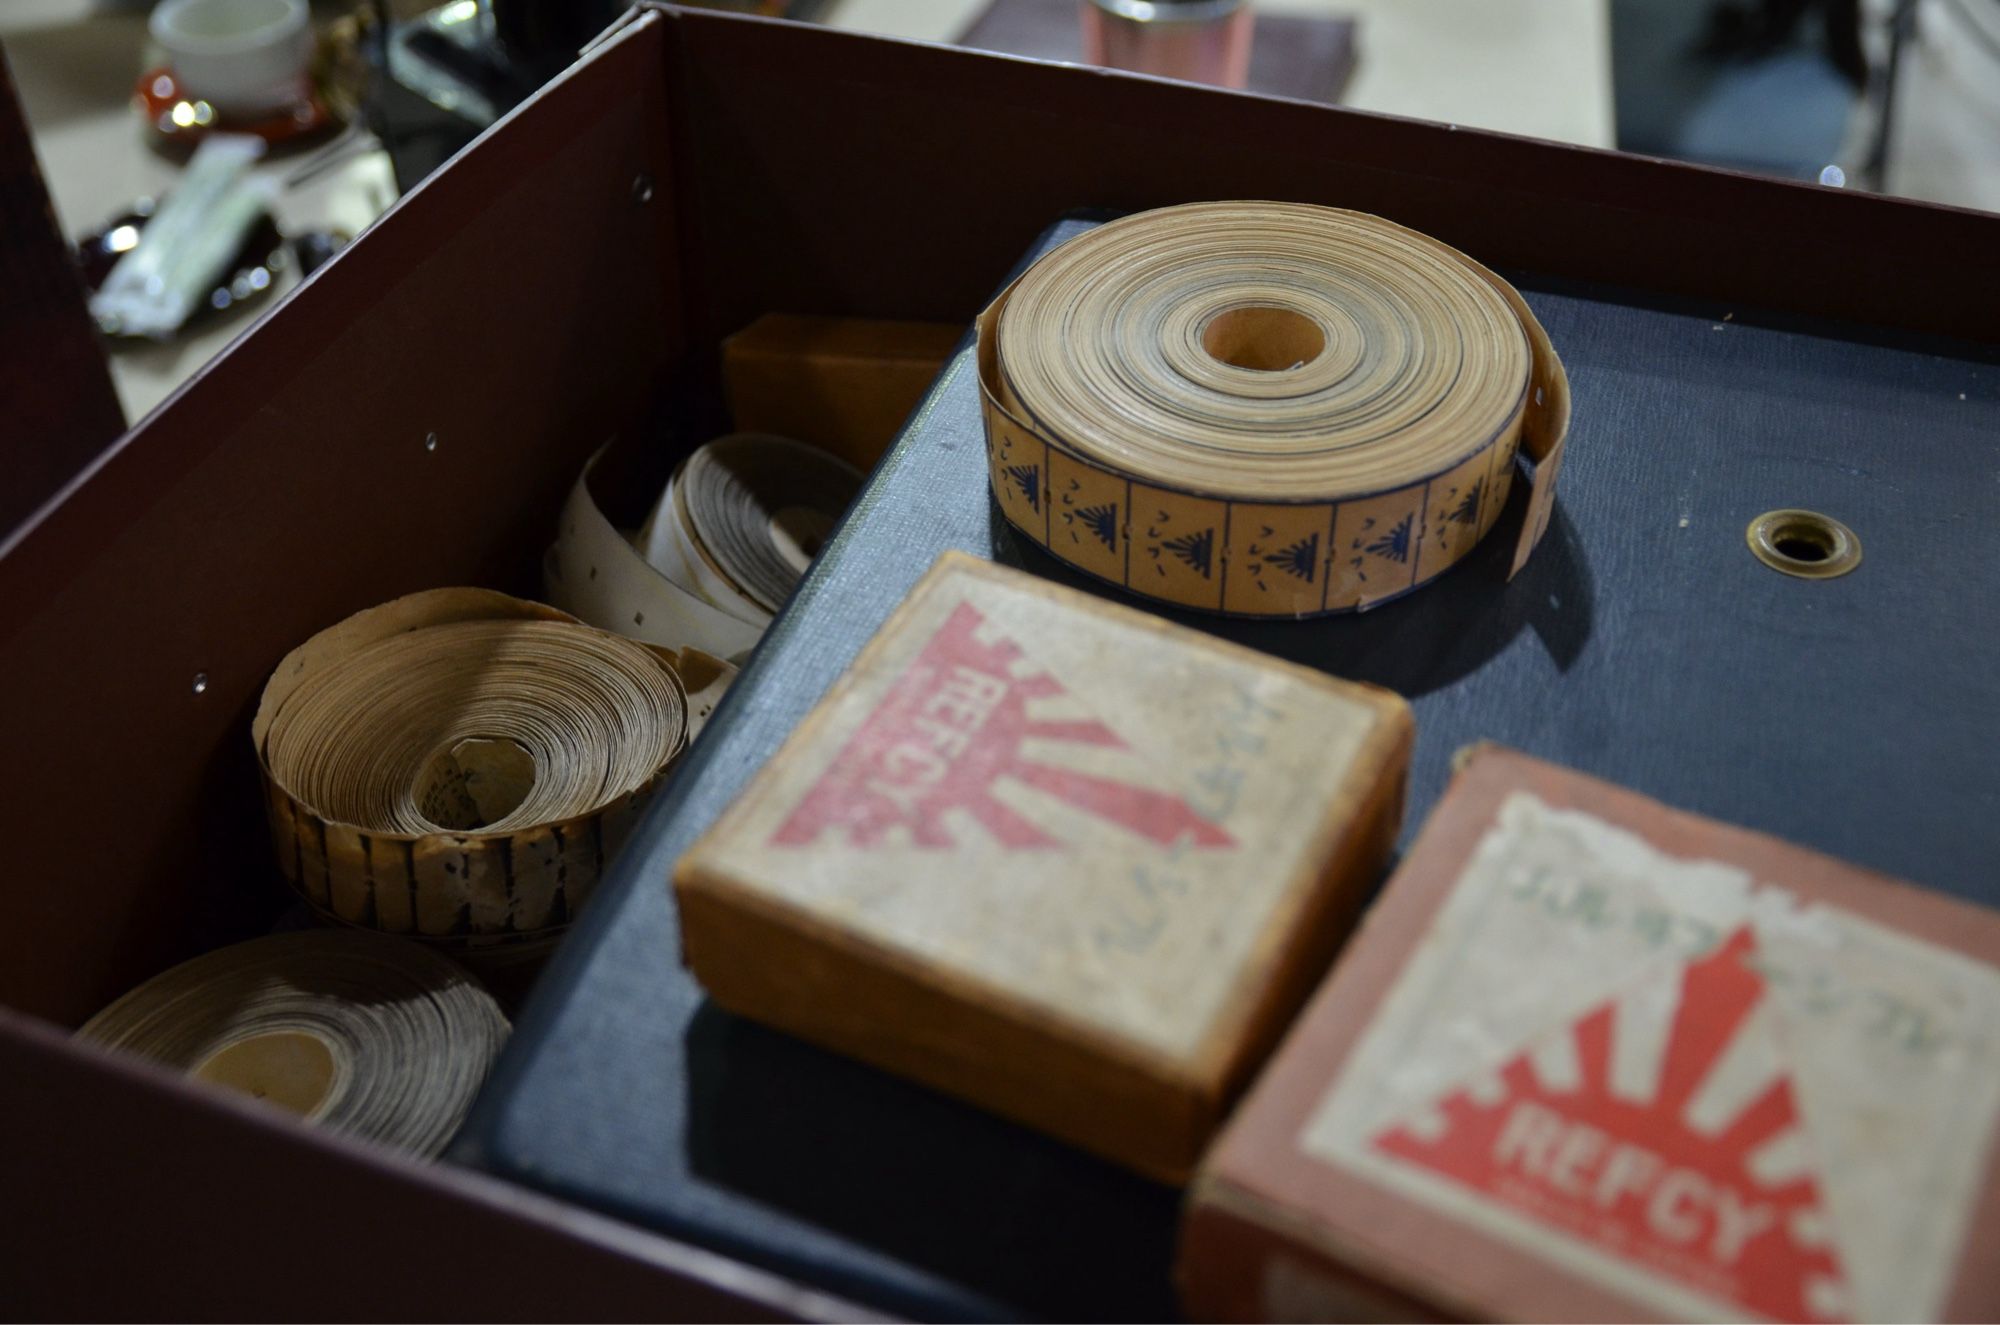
(1052, 855)
(1593, 1058)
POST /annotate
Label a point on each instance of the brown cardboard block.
(843, 384)
(1594, 1058)
(1052, 855)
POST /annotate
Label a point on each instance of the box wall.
(896, 180)
(519, 307)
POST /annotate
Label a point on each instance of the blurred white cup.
(244, 57)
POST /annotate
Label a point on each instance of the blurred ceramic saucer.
(176, 117)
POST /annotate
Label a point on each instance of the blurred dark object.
(1307, 58)
(314, 248)
(1902, 27)
(264, 257)
(1759, 29)
(1743, 92)
(452, 71)
(549, 33)
(58, 408)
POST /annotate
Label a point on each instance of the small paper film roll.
(743, 518)
(459, 765)
(359, 1033)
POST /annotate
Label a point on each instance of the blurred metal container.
(1200, 41)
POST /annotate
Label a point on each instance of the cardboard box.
(843, 384)
(1052, 855)
(414, 415)
(1592, 1058)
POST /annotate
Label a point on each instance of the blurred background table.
(1630, 74)
(75, 63)
(1536, 67)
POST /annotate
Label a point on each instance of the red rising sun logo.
(1719, 1196)
(951, 727)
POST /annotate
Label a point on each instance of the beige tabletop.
(1539, 67)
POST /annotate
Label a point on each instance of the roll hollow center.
(1263, 338)
(478, 781)
(291, 1069)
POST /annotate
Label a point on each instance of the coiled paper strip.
(594, 572)
(743, 518)
(458, 765)
(362, 1034)
(1265, 409)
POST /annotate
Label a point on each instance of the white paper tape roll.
(594, 573)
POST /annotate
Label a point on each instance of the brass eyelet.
(1804, 543)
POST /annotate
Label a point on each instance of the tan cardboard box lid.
(1590, 1057)
(1066, 806)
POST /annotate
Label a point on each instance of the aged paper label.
(1073, 810)
(1682, 1083)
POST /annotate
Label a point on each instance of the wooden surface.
(311, 449)
(761, 162)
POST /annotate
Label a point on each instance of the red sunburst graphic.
(1636, 1177)
(951, 727)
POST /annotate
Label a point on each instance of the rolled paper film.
(1265, 409)
(742, 519)
(459, 765)
(362, 1034)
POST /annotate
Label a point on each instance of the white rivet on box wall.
(200, 682)
(430, 441)
(642, 189)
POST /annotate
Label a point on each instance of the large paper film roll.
(1265, 409)
(458, 765)
(360, 1033)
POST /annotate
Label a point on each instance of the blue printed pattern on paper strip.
(1467, 510)
(1196, 549)
(1103, 522)
(1028, 478)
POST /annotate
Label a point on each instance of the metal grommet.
(642, 189)
(1804, 543)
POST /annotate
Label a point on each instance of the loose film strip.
(459, 765)
(1266, 409)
